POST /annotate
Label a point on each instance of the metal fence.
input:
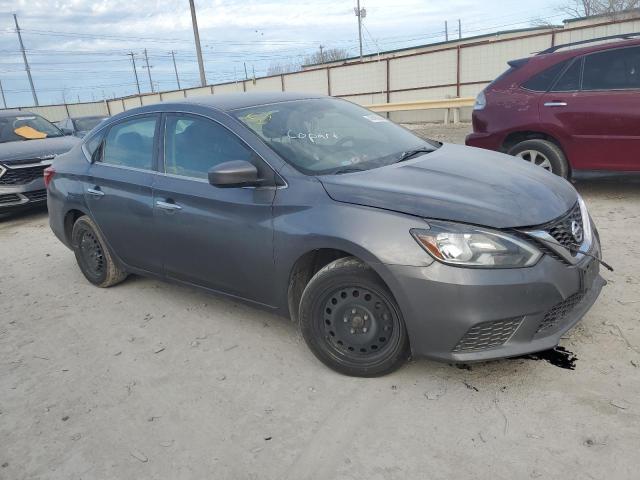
(449, 70)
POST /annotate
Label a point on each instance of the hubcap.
(357, 321)
(537, 158)
(91, 252)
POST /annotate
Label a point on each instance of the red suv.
(569, 110)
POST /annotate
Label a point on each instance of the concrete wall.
(446, 70)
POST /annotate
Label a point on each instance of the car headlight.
(586, 222)
(469, 246)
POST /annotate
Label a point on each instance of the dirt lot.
(151, 380)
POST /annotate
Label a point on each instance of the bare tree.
(278, 68)
(326, 56)
(586, 8)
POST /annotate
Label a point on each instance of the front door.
(118, 191)
(220, 238)
(596, 103)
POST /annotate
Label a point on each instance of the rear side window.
(542, 81)
(612, 70)
(570, 79)
(130, 143)
(91, 146)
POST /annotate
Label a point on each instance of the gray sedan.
(379, 243)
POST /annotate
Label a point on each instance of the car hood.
(461, 184)
(43, 149)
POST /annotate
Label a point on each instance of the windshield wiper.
(412, 153)
(340, 171)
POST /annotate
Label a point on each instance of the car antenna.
(576, 250)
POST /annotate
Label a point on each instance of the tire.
(93, 256)
(351, 322)
(543, 153)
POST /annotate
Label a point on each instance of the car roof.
(574, 52)
(234, 101)
(88, 116)
(13, 113)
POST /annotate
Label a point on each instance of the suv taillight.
(49, 172)
(481, 101)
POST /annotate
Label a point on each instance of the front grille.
(36, 195)
(488, 335)
(9, 198)
(559, 312)
(560, 229)
(21, 176)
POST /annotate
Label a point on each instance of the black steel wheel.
(351, 321)
(93, 256)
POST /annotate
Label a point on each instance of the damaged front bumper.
(462, 315)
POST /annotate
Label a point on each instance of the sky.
(79, 49)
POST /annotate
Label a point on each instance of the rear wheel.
(351, 322)
(542, 153)
(93, 255)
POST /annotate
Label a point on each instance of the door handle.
(96, 192)
(555, 104)
(167, 205)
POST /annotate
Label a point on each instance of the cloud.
(59, 33)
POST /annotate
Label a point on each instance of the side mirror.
(235, 173)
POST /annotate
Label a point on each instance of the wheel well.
(69, 220)
(304, 269)
(516, 137)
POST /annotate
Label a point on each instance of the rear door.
(220, 238)
(596, 105)
(118, 190)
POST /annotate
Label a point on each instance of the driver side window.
(193, 145)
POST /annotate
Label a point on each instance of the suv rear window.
(543, 81)
(570, 79)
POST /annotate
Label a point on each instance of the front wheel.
(544, 154)
(351, 322)
(93, 255)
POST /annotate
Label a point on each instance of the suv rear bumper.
(488, 141)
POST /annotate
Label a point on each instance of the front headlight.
(586, 222)
(468, 246)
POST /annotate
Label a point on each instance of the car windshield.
(331, 136)
(86, 124)
(26, 127)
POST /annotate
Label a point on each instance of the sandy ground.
(148, 380)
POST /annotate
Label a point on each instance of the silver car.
(378, 243)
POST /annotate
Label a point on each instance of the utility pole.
(146, 59)
(321, 54)
(173, 55)
(196, 35)
(446, 31)
(135, 72)
(459, 29)
(246, 76)
(360, 13)
(4, 101)
(26, 62)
